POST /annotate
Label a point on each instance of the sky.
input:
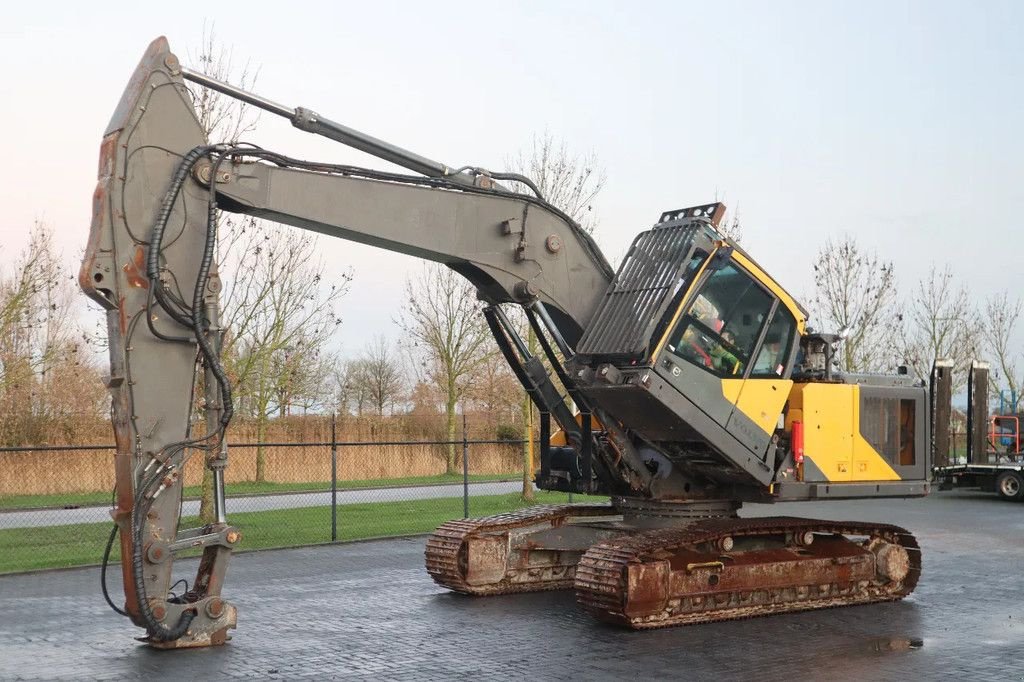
(896, 122)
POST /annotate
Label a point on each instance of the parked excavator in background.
(682, 386)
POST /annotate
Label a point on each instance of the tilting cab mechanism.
(681, 386)
(692, 346)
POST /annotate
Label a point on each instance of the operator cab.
(693, 345)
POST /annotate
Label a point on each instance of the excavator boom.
(150, 263)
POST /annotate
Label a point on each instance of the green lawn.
(24, 549)
(245, 488)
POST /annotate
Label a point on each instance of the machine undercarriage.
(662, 565)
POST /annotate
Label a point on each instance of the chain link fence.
(55, 501)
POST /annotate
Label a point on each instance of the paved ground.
(252, 503)
(368, 610)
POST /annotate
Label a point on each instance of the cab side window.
(720, 330)
(778, 341)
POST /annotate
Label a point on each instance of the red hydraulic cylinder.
(796, 437)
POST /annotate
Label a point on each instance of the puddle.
(888, 644)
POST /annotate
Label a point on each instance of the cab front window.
(720, 330)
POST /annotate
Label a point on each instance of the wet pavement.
(368, 610)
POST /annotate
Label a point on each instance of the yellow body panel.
(760, 399)
(558, 438)
(832, 440)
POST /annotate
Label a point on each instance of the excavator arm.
(150, 262)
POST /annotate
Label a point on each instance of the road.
(369, 611)
(65, 517)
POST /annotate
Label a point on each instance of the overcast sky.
(899, 122)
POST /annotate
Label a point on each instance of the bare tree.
(940, 322)
(34, 304)
(424, 399)
(302, 377)
(497, 392)
(19, 294)
(350, 386)
(567, 180)
(999, 333)
(855, 292)
(46, 377)
(731, 227)
(379, 375)
(280, 317)
(223, 118)
(442, 318)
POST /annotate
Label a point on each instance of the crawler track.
(662, 578)
(447, 548)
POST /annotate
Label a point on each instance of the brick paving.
(369, 611)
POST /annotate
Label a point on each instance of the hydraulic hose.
(103, 572)
(157, 631)
(177, 180)
(198, 323)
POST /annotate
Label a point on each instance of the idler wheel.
(891, 561)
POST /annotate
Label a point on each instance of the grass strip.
(23, 549)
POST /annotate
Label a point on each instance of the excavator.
(679, 386)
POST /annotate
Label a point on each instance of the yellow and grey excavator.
(682, 385)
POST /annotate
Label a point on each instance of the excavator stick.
(148, 263)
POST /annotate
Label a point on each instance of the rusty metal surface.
(977, 413)
(150, 380)
(700, 570)
(679, 576)
(941, 391)
(470, 556)
(712, 212)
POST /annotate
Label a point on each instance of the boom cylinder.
(312, 122)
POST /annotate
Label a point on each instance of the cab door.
(712, 346)
(729, 352)
(762, 394)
